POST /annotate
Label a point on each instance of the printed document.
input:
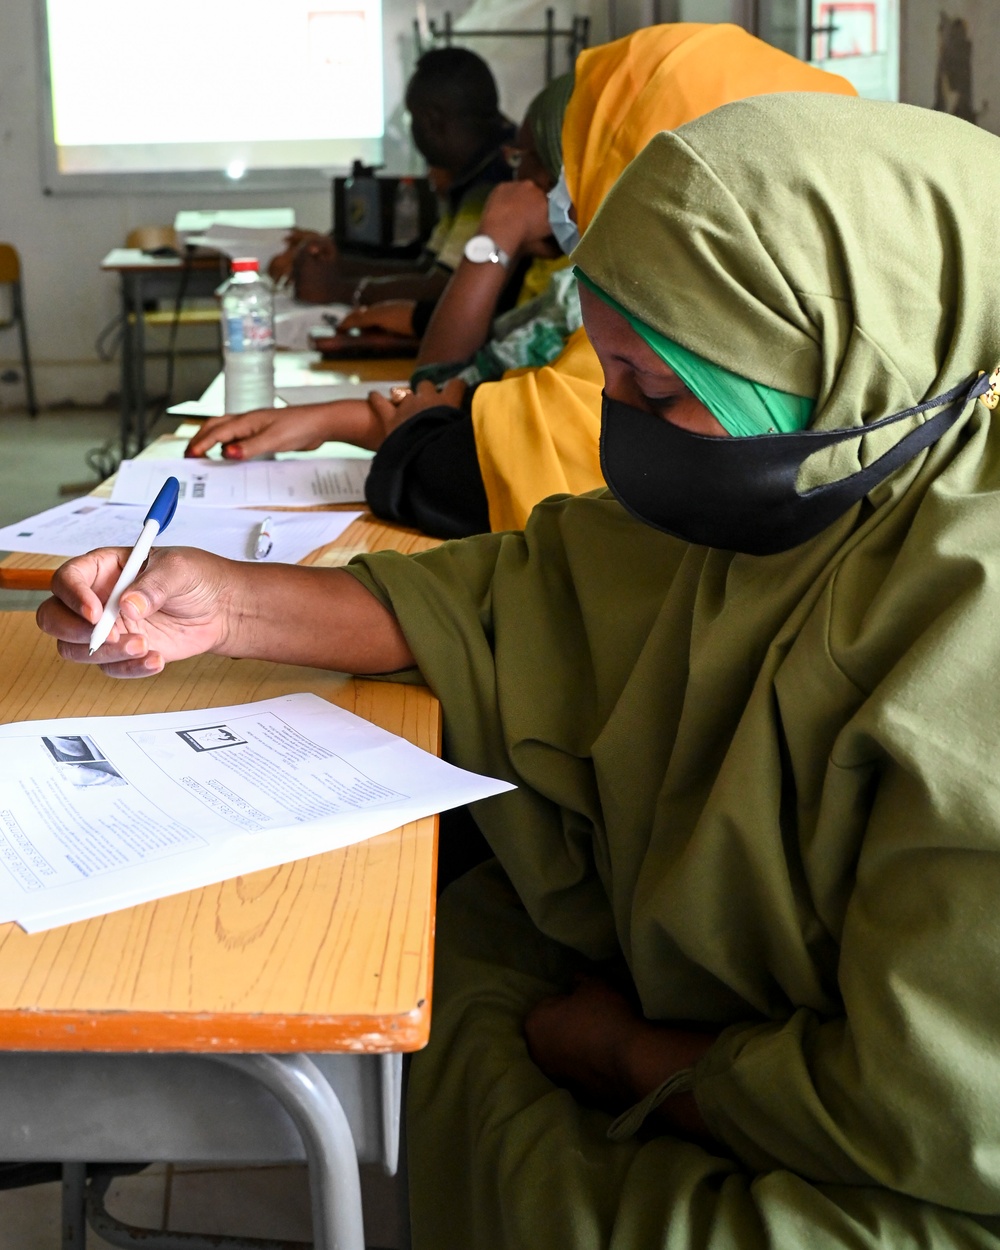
(246, 484)
(286, 394)
(101, 813)
(72, 528)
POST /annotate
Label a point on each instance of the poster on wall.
(858, 39)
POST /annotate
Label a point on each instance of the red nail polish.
(232, 451)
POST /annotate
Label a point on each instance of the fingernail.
(153, 663)
(135, 602)
(232, 451)
(135, 646)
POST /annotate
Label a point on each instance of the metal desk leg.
(74, 1192)
(334, 1183)
(22, 330)
(140, 368)
(128, 349)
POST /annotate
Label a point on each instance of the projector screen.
(210, 92)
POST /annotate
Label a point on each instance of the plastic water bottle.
(248, 338)
(405, 214)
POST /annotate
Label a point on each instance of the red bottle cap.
(246, 264)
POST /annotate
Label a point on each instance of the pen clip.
(165, 504)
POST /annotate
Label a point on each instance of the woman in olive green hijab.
(758, 801)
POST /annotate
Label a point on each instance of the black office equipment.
(374, 215)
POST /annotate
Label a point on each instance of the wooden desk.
(143, 278)
(24, 571)
(27, 571)
(307, 369)
(327, 954)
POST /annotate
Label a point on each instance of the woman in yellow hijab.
(535, 432)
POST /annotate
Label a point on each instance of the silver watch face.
(481, 248)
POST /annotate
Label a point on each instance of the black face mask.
(738, 494)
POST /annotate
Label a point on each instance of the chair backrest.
(149, 238)
(10, 264)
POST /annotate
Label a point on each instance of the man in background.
(458, 129)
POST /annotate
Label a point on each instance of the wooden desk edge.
(25, 571)
(399, 1022)
(159, 1032)
(32, 578)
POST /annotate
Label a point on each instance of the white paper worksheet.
(100, 813)
(72, 528)
(171, 447)
(257, 484)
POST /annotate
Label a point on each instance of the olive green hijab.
(846, 260)
(768, 785)
(545, 121)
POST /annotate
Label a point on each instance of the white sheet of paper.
(295, 320)
(212, 403)
(72, 528)
(171, 447)
(197, 221)
(196, 408)
(263, 243)
(293, 395)
(256, 484)
(101, 813)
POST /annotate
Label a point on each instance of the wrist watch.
(481, 249)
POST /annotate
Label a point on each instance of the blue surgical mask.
(560, 206)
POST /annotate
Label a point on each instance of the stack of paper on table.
(194, 221)
(172, 446)
(246, 484)
(101, 813)
(72, 528)
(263, 243)
(322, 391)
(294, 320)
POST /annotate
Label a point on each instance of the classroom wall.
(948, 58)
(62, 238)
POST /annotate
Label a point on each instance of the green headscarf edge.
(545, 121)
(744, 408)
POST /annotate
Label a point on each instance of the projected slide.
(174, 85)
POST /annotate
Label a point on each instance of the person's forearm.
(460, 324)
(323, 618)
(416, 286)
(655, 1052)
(375, 267)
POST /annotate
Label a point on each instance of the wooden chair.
(10, 275)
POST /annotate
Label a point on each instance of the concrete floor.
(248, 1202)
(37, 456)
(40, 455)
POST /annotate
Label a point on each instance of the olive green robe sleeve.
(880, 868)
(903, 1086)
(507, 647)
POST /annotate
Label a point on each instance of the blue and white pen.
(157, 519)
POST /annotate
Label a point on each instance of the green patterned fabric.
(528, 336)
(766, 788)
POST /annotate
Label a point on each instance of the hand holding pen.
(157, 519)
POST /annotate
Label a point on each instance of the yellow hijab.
(537, 429)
